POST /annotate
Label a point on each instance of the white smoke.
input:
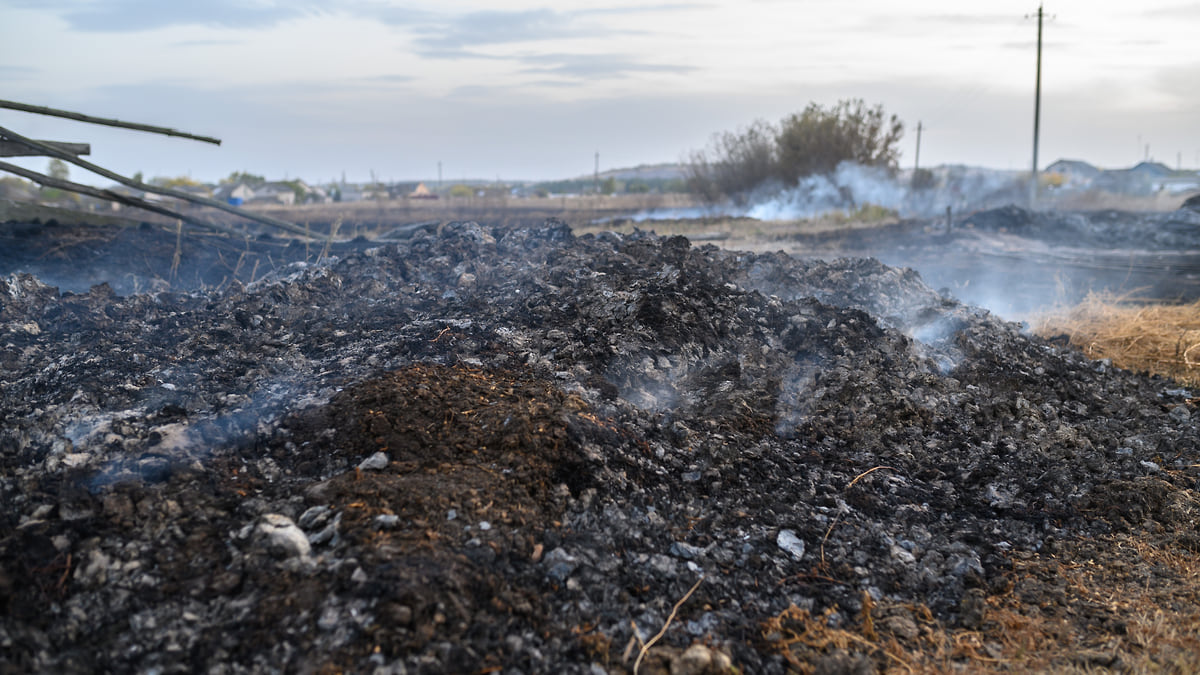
(852, 186)
(847, 189)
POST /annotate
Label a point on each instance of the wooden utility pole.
(596, 176)
(917, 161)
(1037, 112)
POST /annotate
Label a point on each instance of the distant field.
(370, 216)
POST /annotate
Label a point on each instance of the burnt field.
(482, 447)
(1010, 260)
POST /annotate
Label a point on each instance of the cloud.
(1187, 11)
(467, 36)
(927, 24)
(455, 36)
(9, 73)
(392, 78)
(208, 43)
(458, 36)
(124, 16)
(1179, 85)
(592, 66)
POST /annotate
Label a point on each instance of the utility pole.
(596, 176)
(1037, 112)
(439, 187)
(917, 161)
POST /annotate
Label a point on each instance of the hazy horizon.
(526, 91)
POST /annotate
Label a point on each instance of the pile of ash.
(492, 449)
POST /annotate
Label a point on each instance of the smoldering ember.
(514, 449)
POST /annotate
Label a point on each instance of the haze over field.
(528, 90)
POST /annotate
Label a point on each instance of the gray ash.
(573, 430)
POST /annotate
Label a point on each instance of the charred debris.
(516, 450)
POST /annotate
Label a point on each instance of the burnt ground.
(511, 449)
(1016, 262)
(148, 257)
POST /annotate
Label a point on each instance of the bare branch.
(79, 117)
(138, 185)
(111, 196)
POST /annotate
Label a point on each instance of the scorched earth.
(515, 450)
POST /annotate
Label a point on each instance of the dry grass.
(1159, 338)
(1120, 603)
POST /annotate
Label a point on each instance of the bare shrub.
(818, 139)
(735, 162)
(811, 142)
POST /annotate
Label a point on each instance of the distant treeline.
(610, 186)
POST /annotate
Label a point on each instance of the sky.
(514, 90)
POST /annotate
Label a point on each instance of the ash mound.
(515, 450)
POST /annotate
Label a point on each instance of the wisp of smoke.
(852, 186)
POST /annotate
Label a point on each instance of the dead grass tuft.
(1125, 603)
(1159, 338)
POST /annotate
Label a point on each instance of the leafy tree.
(58, 169)
(608, 186)
(12, 187)
(674, 185)
(461, 190)
(811, 142)
(244, 177)
(176, 182)
(818, 139)
(298, 189)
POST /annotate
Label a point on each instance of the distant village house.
(421, 192)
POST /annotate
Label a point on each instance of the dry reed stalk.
(333, 231)
(178, 256)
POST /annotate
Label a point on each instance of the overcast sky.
(528, 90)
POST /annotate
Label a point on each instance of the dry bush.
(814, 141)
(1159, 338)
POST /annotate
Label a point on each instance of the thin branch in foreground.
(52, 151)
(663, 631)
(864, 474)
(109, 195)
(80, 117)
